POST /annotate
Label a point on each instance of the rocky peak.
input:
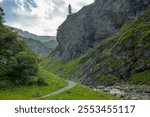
(93, 23)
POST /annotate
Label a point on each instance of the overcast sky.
(41, 17)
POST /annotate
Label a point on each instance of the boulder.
(116, 92)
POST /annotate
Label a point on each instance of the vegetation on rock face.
(129, 52)
(142, 78)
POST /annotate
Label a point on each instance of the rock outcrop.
(93, 23)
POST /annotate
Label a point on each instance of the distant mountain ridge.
(41, 45)
(27, 34)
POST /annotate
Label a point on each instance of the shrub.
(42, 82)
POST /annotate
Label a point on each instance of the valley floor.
(61, 89)
(57, 89)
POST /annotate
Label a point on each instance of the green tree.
(1, 15)
(17, 62)
(69, 9)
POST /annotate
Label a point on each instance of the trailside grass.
(80, 92)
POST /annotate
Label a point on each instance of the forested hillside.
(17, 62)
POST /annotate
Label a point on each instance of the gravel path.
(69, 86)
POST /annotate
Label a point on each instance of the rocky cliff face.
(93, 23)
(111, 49)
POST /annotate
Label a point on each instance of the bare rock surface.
(93, 23)
(127, 92)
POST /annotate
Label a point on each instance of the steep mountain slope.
(51, 44)
(94, 23)
(123, 57)
(127, 53)
(40, 48)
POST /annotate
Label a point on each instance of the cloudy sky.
(41, 17)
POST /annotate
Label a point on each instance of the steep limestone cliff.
(93, 23)
(121, 58)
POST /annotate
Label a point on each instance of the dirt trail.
(69, 86)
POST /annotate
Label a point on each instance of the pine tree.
(69, 10)
(1, 15)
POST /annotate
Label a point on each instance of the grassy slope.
(140, 78)
(80, 92)
(33, 91)
(65, 68)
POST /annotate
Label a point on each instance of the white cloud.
(44, 8)
(1, 1)
(45, 18)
